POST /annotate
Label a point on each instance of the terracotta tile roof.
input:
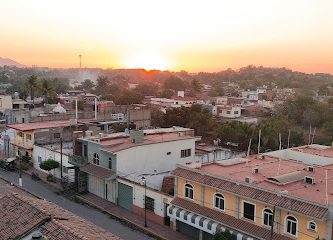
(39, 125)
(97, 171)
(18, 217)
(54, 231)
(289, 203)
(227, 220)
(67, 221)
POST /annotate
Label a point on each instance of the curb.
(123, 219)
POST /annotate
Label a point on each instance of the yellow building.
(262, 197)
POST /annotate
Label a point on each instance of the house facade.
(251, 197)
(111, 166)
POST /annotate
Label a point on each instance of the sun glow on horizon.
(148, 62)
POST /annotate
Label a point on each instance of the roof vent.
(310, 169)
(255, 170)
(249, 180)
(37, 235)
(309, 180)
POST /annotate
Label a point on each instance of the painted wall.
(41, 154)
(103, 156)
(160, 199)
(148, 158)
(231, 209)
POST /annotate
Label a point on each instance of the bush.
(24, 167)
(49, 164)
(222, 236)
(51, 178)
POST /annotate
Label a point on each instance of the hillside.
(10, 62)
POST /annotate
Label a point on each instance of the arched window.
(268, 217)
(188, 191)
(291, 225)
(312, 226)
(96, 159)
(219, 201)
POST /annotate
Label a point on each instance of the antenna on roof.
(248, 151)
(313, 135)
(259, 141)
(288, 138)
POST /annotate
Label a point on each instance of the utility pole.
(144, 182)
(20, 170)
(61, 157)
(272, 224)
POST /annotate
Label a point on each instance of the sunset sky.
(203, 35)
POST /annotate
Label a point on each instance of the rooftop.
(40, 125)
(278, 175)
(21, 214)
(120, 144)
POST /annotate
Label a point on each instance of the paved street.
(103, 220)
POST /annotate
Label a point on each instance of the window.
(28, 137)
(235, 112)
(39, 160)
(96, 159)
(188, 191)
(20, 134)
(56, 135)
(85, 150)
(291, 225)
(149, 203)
(110, 163)
(312, 226)
(268, 217)
(185, 153)
(228, 112)
(168, 153)
(309, 180)
(248, 211)
(219, 201)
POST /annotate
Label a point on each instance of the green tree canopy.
(49, 164)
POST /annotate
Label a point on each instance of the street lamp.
(144, 182)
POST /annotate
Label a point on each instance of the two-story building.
(283, 195)
(112, 166)
(47, 132)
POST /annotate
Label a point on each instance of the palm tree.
(32, 82)
(46, 89)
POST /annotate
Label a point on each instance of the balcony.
(78, 161)
(22, 144)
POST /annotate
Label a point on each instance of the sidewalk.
(153, 229)
(43, 177)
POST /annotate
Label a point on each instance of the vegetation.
(49, 165)
(222, 236)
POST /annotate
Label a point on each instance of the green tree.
(222, 236)
(102, 86)
(157, 117)
(87, 85)
(47, 91)
(128, 97)
(195, 86)
(32, 83)
(175, 83)
(49, 165)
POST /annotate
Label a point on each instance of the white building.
(229, 111)
(42, 153)
(6, 102)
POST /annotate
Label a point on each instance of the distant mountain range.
(10, 62)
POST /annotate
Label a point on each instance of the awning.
(200, 222)
(98, 171)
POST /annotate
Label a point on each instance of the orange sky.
(194, 35)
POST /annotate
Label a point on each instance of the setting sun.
(148, 62)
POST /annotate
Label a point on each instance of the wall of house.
(232, 209)
(103, 156)
(5, 102)
(153, 157)
(41, 154)
(160, 201)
